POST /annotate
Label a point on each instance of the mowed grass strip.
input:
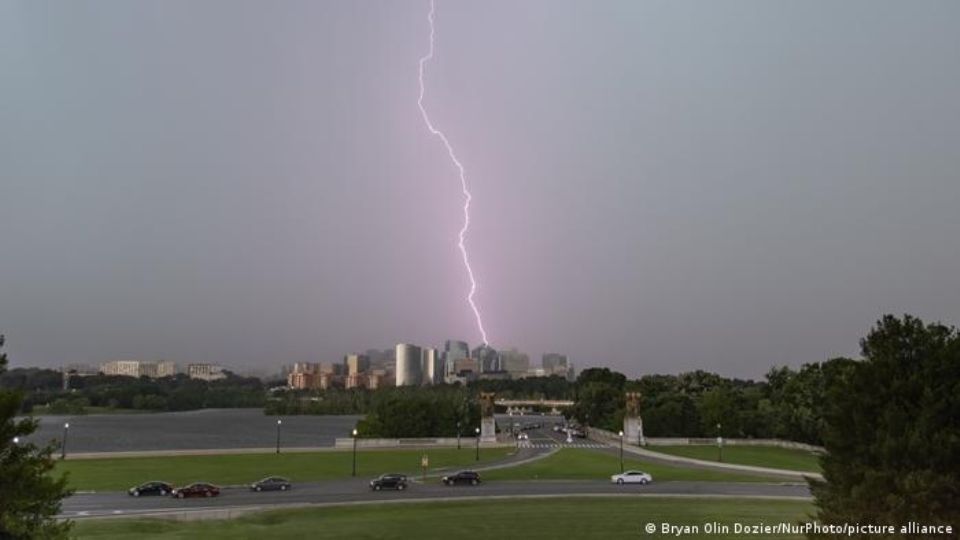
(581, 518)
(230, 469)
(759, 456)
(584, 464)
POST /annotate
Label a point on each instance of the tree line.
(43, 392)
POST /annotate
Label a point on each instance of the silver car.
(632, 477)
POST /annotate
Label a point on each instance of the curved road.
(356, 491)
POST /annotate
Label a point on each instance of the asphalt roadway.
(357, 491)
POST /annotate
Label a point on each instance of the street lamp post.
(63, 447)
(621, 451)
(458, 435)
(719, 442)
(278, 434)
(478, 443)
(354, 473)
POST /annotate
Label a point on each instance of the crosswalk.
(528, 444)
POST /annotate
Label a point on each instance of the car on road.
(271, 483)
(523, 437)
(197, 489)
(389, 481)
(632, 477)
(151, 488)
(462, 477)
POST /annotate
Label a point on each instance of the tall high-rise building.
(487, 358)
(514, 362)
(557, 364)
(454, 350)
(432, 366)
(356, 364)
(409, 364)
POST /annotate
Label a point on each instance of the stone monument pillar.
(488, 426)
(632, 423)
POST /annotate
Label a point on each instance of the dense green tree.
(892, 429)
(30, 494)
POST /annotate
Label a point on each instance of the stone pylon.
(632, 422)
(488, 425)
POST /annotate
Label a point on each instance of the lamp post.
(278, 434)
(719, 442)
(478, 443)
(16, 440)
(354, 473)
(458, 435)
(63, 447)
(621, 451)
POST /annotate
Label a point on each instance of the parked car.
(271, 483)
(462, 477)
(632, 477)
(151, 488)
(389, 481)
(198, 489)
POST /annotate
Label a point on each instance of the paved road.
(357, 490)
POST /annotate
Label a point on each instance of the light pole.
(354, 473)
(458, 435)
(621, 451)
(719, 442)
(478, 443)
(16, 440)
(63, 447)
(278, 434)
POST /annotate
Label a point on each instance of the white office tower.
(409, 365)
(431, 366)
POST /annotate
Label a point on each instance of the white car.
(632, 477)
(523, 437)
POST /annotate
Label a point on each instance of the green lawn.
(581, 518)
(583, 464)
(761, 456)
(121, 473)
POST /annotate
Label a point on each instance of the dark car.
(271, 483)
(199, 489)
(389, 481)
(151, 488)
(462, 477)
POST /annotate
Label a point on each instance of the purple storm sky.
(658, 186)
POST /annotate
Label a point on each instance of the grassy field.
(583, 464)
(121, 473)
(761, 456)
(581, 518)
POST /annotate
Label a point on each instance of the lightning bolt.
(463, 181)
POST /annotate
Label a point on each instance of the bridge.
(523, 406)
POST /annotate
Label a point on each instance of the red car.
(199, 489)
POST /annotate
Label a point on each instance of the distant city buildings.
(206, 372)
(412, 365)
(138, 368)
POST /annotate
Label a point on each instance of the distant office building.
(81, 370)
(206, 372)
(454, 350)
(300, 380)
(378, 378)
(128, 368)
(166, 368)
(356, 364)
(466, 365)
(487, 358)
(514, 362)
(494, 376)
(409, 361)
(557, 364)
(535, 372)
(431, 366)
(356, 380)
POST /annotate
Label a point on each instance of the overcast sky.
(659, 186)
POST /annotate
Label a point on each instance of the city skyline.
(657, 187)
